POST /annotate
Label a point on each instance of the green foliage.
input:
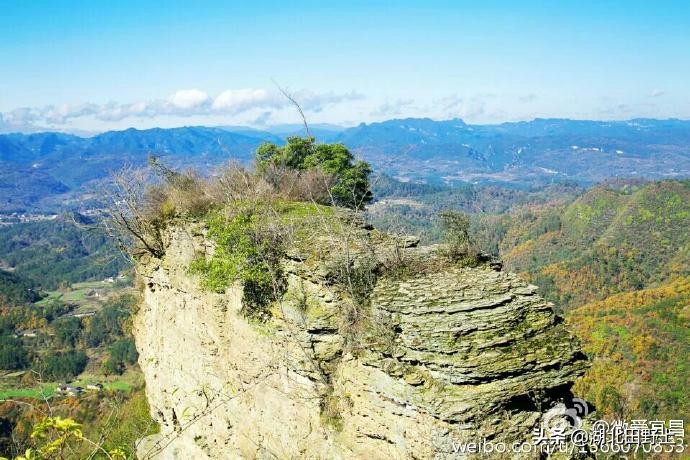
(109, 421)
(60, 438)
(13, 354)
(16, 291)
(62, 365)
(55, 434)
(351, 178)
(248, 249)
(107, 325)
(68, 331)
(112, 367)
(122, 353)
(50, 253)
(132, 423)
(611, 239)
(640, 344)
(30, 316)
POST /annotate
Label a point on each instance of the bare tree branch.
(294, 102)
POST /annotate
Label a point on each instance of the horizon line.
(85, 133)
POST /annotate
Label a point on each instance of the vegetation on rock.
(613, 259)
(302, 171)
(344, 182)
(248, 249)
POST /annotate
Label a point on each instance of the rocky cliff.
(447, 354)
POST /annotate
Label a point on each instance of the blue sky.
(110, 65)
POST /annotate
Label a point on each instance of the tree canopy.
(13, 354)
(350, 178)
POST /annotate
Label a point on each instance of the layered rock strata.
(446, 355)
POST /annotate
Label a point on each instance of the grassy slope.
(10, 389)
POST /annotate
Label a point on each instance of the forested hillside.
(577, 246)
(614, 238)
(617, 261)
(65, 250)
(412, 208)
(640, 342)
(15, 290)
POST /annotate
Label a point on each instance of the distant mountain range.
(38, 167)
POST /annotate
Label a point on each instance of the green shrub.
(112, 367)
(123, 353)
(107, 324)
(349, 180)
(459, 246)
(248, 249)
(68, 331)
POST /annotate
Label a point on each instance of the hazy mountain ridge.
(418, 150)
(586, 151)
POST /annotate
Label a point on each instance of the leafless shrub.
(310, 185)
(192, 199)
(233, 182)
(132, 216)
(142, 201)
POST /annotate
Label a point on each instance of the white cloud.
(182, 103)
(394, 108)
(188, 98)
(656, 93)
(263, 119)
(466, 108)
(238, 100)
(449, 104)
(315, 102)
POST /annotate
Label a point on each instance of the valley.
(344, 230)
(612, 254)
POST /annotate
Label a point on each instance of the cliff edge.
(447, 354)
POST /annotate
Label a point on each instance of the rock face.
(448, 355)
